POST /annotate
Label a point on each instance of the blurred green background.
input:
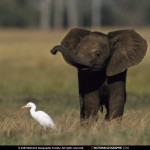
(68, 13)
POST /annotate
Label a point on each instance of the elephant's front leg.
(89, 105)
(89, 84)
(117, 97)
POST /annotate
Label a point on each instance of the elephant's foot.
(115, 120)
(88, 120)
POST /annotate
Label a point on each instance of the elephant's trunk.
(68, 56)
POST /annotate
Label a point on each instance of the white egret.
(40, 116)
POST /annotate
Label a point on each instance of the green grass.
(28, 72)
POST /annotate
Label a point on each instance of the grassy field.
(28, 72)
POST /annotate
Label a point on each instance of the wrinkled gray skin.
(102, 61)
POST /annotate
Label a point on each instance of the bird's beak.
(24, 106)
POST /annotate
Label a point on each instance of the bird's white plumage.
(40, 116)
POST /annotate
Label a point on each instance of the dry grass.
(26, 62)
(22, 130)
(29, 72)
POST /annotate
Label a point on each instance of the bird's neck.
(32, 110)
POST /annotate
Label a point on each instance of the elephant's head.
(93, 51)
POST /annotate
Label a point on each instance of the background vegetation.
(28, 72)
(68, 13)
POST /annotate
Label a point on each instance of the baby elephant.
(102, 61)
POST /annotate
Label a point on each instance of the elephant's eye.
(97, 53)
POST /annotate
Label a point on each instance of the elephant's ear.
(72, 39)
(128, 48)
